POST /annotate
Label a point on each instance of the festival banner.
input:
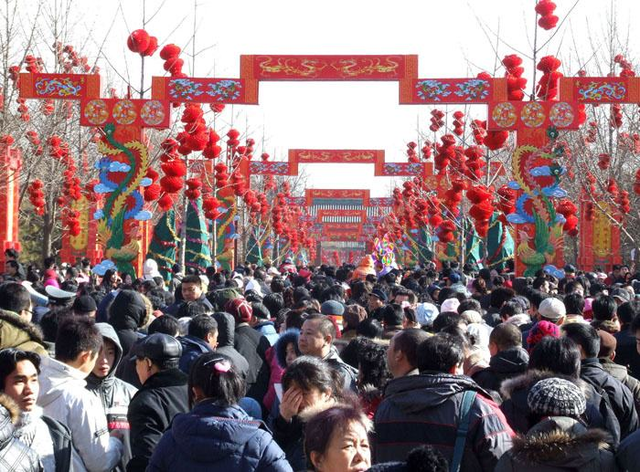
(452, 91)
(59, 86)
(337, 197)
(600, 89)
(344, 213)
(320, 67)
(125, 112)
(205, 90)
(509, 115)
(403, 169)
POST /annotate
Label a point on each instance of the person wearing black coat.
(508, 359)
(619, 396)
(226, 338)
(217, 435)
(253, 347)
(162, 396)
(127, 314)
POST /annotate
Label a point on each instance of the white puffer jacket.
(63, 397)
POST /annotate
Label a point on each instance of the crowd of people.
(329, 369)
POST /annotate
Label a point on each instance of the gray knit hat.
(556, 397)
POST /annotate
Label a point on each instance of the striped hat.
(556, 397)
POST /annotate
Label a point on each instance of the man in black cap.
(162, 396)
(84, 305)
(377, 299)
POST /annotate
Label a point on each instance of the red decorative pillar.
(10, 163)
(75, 248)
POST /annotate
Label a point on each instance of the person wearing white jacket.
(63, 397)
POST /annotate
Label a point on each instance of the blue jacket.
(217, 438)
(192, 348)
(268, 330)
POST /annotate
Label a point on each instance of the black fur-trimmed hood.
(560, 441)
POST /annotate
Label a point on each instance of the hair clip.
(222, 367)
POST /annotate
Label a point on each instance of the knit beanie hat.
(240, 309)
(540, 330)
(556, 397)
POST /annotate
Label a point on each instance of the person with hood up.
(252, 345)
(226, 337)
(559, 441)
(127, 314)
(216, 435)
(114, 394)
(508, 359)
(63, 396)
(14, 455)
(435, 406)
(279, 356)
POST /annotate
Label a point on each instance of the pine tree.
(163, 244)
(197, 251)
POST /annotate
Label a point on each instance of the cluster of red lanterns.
(7, 140)
(626, 66)
(233, 135)
(221, 175)
(604, 160)
(139, 41)
(458, 123)
(568, 209)
(36, 196)
(210, 206)
(636, 184)
(507, 201)
(412, 155)
(152, 192)
(269, 180)
(437, 121)
(277, 214)
(174, 170)
(589, 211)
(212, 150)
(547, 20)
(453, 196)
(481, 208)
(71, 219)
(548, 83)
(515, 82)
(479, 130)
(89, 193)
(612, 188)
(623, 202)
(592, 133)
(615, 119)
(71, 187)
(475, 162)
(195, 136)
(445, 153)
(193, 188)
(172, 62)
(69, 59)
(426, 150)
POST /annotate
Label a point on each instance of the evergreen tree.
(197, 251)
(163, 244)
